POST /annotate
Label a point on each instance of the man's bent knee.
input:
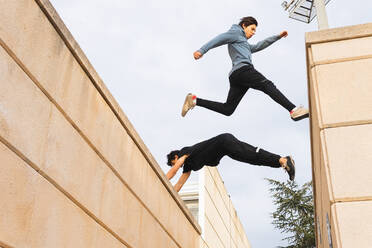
(228, 110)
(228, 113)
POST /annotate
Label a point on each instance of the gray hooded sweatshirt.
(240, 50)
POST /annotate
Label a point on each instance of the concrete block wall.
(217, 215)
(74, 172)
(340, 88)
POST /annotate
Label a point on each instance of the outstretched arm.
(222, 39)
(267, 42)
(182, 181)
(173, 171)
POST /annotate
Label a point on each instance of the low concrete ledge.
(79, 55)
(336, 34)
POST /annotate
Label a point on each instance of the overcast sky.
(143, 52)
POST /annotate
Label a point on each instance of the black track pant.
(240, 81)
(243, 152)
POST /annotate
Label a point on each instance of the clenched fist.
(283, 34)
(197, 55)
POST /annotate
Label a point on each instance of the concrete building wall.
(219, 221)
(74, 172)
(340, 94)
(212, 207)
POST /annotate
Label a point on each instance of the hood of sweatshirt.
(237, 28)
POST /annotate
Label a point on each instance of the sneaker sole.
(185, 105)
(300, 117)
(294, 167)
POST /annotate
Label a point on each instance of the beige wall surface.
(340, 89)
(222, 227)
(75, 171)
(36, 214)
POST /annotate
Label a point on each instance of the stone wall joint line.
(340, 60)
(228, 207)
(352, 199)
(215, 231)
(230, 218)
(346, 124)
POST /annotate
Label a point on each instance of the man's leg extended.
(243, 152)
(259, 82)
(234, 97)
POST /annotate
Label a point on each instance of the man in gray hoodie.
(243, 75)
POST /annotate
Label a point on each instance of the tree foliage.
(294, 213)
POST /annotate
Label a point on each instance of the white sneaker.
(188, 104)
(299, 113)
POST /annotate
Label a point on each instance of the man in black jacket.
(210, 152)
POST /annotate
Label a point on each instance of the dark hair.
(248, 20)
(171, 156)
